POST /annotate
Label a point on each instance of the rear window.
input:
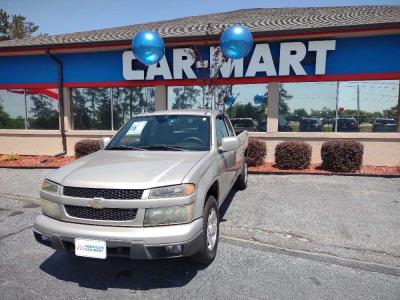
(385, 121)
(308, 121)
(242, 123)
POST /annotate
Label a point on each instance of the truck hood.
(127, 169)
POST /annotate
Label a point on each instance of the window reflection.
(92, 106)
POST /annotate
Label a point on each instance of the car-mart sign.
(353, 58)
(185, 63)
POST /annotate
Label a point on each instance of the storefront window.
(92, 106)
(12, 109)
(307, 106)
(362, 106)
(42, 109)
(186, 97)
(29, 109)
(130, 101)
(245, 114)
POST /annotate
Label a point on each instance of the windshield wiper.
(163, 147)
(124, 147)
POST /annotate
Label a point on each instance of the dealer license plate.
(90, 248)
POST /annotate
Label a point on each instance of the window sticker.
(136, 128)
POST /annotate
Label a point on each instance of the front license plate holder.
(90, 248)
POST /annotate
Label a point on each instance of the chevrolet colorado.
(153, 191)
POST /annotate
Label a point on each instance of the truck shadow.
(225, 205)
(114, 272)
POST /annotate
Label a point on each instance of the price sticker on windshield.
(136, 128)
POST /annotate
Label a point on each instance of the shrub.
(293, 155)
(10, 157)
(256, 152)
(342, 155)
(85, 147)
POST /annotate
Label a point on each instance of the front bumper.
(132, 242)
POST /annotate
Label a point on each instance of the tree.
(15, 27)
(185, 97)
(300, 112)
(44, 116)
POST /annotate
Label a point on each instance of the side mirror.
(104, 142)
(229, 144)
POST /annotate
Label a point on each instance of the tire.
(209, 243)
(241, 182)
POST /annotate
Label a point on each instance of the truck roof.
(196, 112)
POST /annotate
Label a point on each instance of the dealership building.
(325, 73)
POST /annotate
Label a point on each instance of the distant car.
(310, 125)
(283, 125)
(384, 125)
(242, 124)
(346, 125)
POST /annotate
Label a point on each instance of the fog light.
(175, 249)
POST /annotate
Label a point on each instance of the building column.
(161, 97)
(273, 107)
(68, 116)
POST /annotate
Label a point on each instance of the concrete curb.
(324, 174)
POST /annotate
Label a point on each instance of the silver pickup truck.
(153, 191)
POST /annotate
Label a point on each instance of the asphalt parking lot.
(298, 236)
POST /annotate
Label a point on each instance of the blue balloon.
(148, 47)
(259, 99)
(236, 42)
(230, 100)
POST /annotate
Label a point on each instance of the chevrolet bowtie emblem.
(97, 203)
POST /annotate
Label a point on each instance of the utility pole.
(358, 104)
(337, 105)
(398, 111)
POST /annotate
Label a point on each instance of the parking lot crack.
(16, 232)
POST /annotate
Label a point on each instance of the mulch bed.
(316, 169)
(33, 162)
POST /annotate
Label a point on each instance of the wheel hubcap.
(212, 229)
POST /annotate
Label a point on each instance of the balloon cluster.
(236, 43)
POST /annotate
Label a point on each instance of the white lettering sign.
(261, 62)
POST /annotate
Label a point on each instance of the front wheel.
(209, 242)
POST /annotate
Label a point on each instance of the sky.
(65, 16)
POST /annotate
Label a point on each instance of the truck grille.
(102, 193)
(104, 214)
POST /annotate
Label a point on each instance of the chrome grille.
(104, 214)
(102, 193)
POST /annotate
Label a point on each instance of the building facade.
(324, 73)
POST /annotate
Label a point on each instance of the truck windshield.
(164, 133)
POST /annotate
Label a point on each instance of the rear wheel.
(209, 242)
(241, 182)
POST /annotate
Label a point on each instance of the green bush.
(342, 155)
(85, 147)
(293, 155)
(256, 152)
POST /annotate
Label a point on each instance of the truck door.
(226, 161)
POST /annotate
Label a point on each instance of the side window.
(221, 130)
(229, 126)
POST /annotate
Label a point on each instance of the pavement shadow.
(225, 205)
(120, 273)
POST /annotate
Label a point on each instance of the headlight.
(181, 190)
(168, 215)
(50, 209)
(51, 187)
